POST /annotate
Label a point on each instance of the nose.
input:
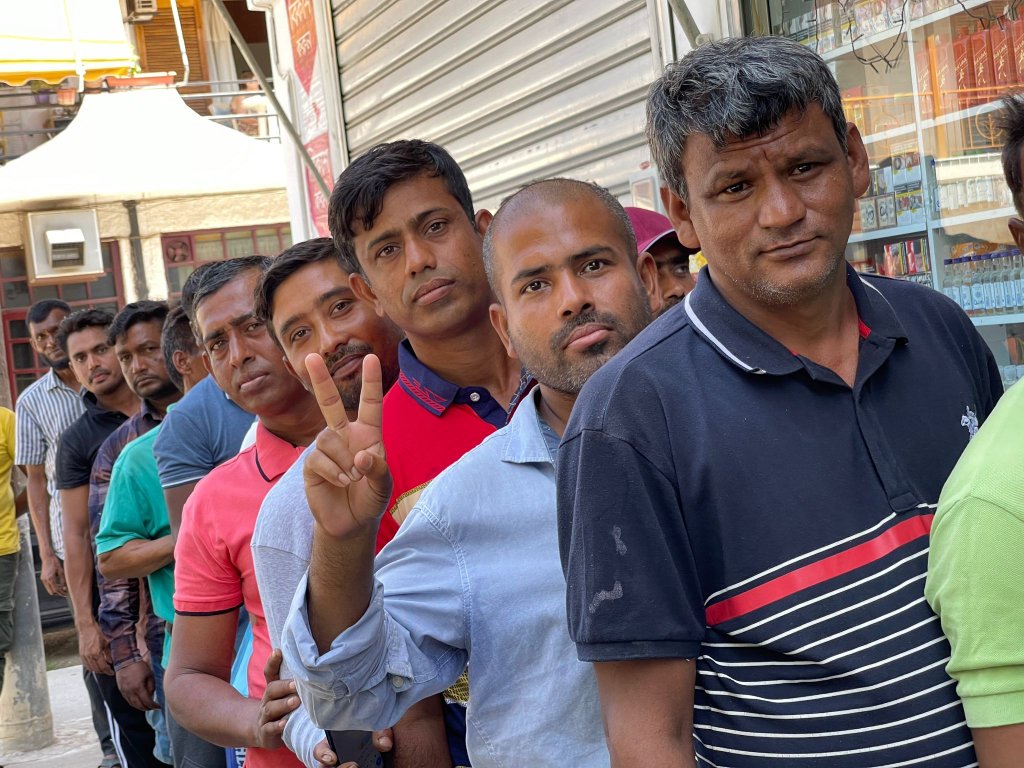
(331, 334)
(238, 350)
(419, 256)
(573, 297)
(93, 362)
(781, 204)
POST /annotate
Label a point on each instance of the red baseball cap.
(651, 227)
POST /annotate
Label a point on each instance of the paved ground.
(75, 745)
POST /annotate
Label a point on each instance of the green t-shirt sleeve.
(126, 511)
(976, 586)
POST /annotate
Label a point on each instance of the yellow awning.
(53, 39)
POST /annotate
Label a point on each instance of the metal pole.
(25, 720)
(690, 28)
(181, 40)
(247, 54)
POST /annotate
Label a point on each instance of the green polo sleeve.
(127, 513)
(976, 586)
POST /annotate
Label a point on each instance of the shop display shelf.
(858, 44)
(881, 234)
(969, 218)
(962, 114)
(1010, 319)
(892, 133)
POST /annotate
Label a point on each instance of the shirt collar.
(748, 347)
(53, 381)
(525, 442)
(436, 394)
(273, 455)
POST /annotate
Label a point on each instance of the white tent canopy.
(138, 145)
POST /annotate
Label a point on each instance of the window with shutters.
(159, 52)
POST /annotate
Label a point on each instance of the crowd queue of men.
(519, 492)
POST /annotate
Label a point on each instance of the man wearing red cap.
(654, 234)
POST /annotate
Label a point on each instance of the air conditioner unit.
(140, 11)
(63, 246)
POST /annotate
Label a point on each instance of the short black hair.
(1011, 123)
(284, 266)
(79, 321)
(137, 312)
(177, 336)
(42, 309)
(359, 192)
(210, 278)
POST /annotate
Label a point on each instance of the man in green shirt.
(134, 538)
(976, 558)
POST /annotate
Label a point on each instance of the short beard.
(568, 378)
(773, 295)
(349, 395)
(57, 365)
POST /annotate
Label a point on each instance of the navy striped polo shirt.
(723, 499)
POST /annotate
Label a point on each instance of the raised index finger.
(326, 392)
(371, 395)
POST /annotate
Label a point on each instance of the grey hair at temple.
(731, 89)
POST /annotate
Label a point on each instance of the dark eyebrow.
(586, 253)
(321, 299)
(234, 323)
(416, 221)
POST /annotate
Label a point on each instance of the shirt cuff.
(358, 659)
(994, 710)
(124, 650)
(638, 650)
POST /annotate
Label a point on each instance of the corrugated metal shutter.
(515, 90)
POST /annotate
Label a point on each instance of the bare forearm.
(631, 752)
(340, 583)
(210, 708)
(137, 558)
(176, 498)
(1000, 747)
(420, 739)
(78, 573)
(39, 511)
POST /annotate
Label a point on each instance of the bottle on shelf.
(967, 285)
(994, 280)
(981, 298)
(1009, 283)
(1018, 271)
(949, 284)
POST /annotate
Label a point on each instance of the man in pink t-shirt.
(214, 571)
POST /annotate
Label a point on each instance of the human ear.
(679, 214)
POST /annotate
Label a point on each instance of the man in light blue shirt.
(474, 576)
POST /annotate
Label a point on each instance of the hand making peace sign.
(347, 479)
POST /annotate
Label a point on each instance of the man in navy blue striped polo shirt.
(745, 491)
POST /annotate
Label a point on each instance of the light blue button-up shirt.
(473, 576)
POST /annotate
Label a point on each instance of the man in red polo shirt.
(402, 217)
(214, 573)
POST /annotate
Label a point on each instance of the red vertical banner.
(312, 105)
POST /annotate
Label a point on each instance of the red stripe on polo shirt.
(821, 571)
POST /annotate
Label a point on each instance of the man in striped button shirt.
(43, 411)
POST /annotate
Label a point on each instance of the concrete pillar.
(25, 720)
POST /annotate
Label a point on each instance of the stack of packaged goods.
(895, 196)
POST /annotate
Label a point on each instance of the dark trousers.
(132, 735)
(99, 711)
(8, 573)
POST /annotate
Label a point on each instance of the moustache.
(98, 372)
(560, 339)
(339, 354)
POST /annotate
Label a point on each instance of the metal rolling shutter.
(515, 90)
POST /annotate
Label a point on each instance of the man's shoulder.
(285, 521)
(651, 357)
(908, 299)
(35, 391)
(222, 482)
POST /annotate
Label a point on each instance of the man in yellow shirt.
(9, 538)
